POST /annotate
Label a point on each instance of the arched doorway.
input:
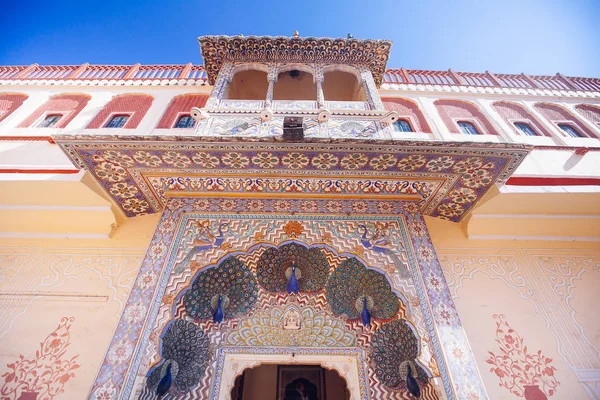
(289, 382)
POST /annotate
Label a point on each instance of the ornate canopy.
(369, 53)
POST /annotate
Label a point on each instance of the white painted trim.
(542, 238)
(545, 216)
(53, 208)
(39, 235)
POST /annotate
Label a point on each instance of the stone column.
(271, 78)
(368, 84)
(225, 76)
(319, 78)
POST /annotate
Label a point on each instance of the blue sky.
(508, 36)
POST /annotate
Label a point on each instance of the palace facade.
(294, 217)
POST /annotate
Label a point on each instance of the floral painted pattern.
(45, 375)
(516, 367)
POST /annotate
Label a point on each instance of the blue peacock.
(222, 292)
(204, 240)
(184, 353)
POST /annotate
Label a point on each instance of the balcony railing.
(103, 72)
(487, 79)
(392, 76)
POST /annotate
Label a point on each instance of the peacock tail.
(311, 263)
(231, 279)
(392, 344)
(186, 346)
(352, 281)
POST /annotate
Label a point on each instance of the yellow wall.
(43, 281)
(545, 290)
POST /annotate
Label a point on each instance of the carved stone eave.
(444, 179)
(216, 50)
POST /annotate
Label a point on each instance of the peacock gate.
(273, 264)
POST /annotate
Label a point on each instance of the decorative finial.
(241, 35)
(296, 34)
(349, 36)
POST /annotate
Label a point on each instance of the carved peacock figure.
(292, 268)
(184, 353)
(222, 292)
(360, 293)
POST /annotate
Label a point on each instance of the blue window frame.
(403, 125)
(185, 121)
(50, 120)
(525, 129)
(468, 128)
(569, 130)
(117, 121)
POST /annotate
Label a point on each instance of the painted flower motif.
(295, 160)
(227, 205)
(325, 161)
(135, 205)
(147, 280)
(148, 159)
(385, 207)
(463, 195)
(417, 229)
(157, 251)
(202, 205)
(333, 206)
(360, 206)
(478, 178)
(439, 163)
(205, 160)
(55, 343)
(293, 228)
(309, 206)
(123, 190)
(411, 207)
(468, 165)
(354, 161)
(166, 226)
(412, 162)
(265, 160)
(110, 172)
(135, 313)
(175, 203)
(118, 158)
(450, 210)
(281, 205)
(235, 160)
(177, 160)
(105, 393)
(120, 353)
(382, 162)
(424, 253)
(445, 314)
(434, 282)
(255, 205)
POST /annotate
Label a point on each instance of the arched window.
(65, 106)
(185, 121)
(525, 129)
(468, 128)
(570, 130)
(123, 111)
(569, 124)
(452, 111)
(518, 117)
(409, 111)
(9, 102)
(403, 125)
(342, 86)
(179, 108)
(248, 85)
(295, 85)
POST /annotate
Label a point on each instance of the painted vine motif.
(44, 376)
(519, 370)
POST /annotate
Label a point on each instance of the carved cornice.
(216, 50)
